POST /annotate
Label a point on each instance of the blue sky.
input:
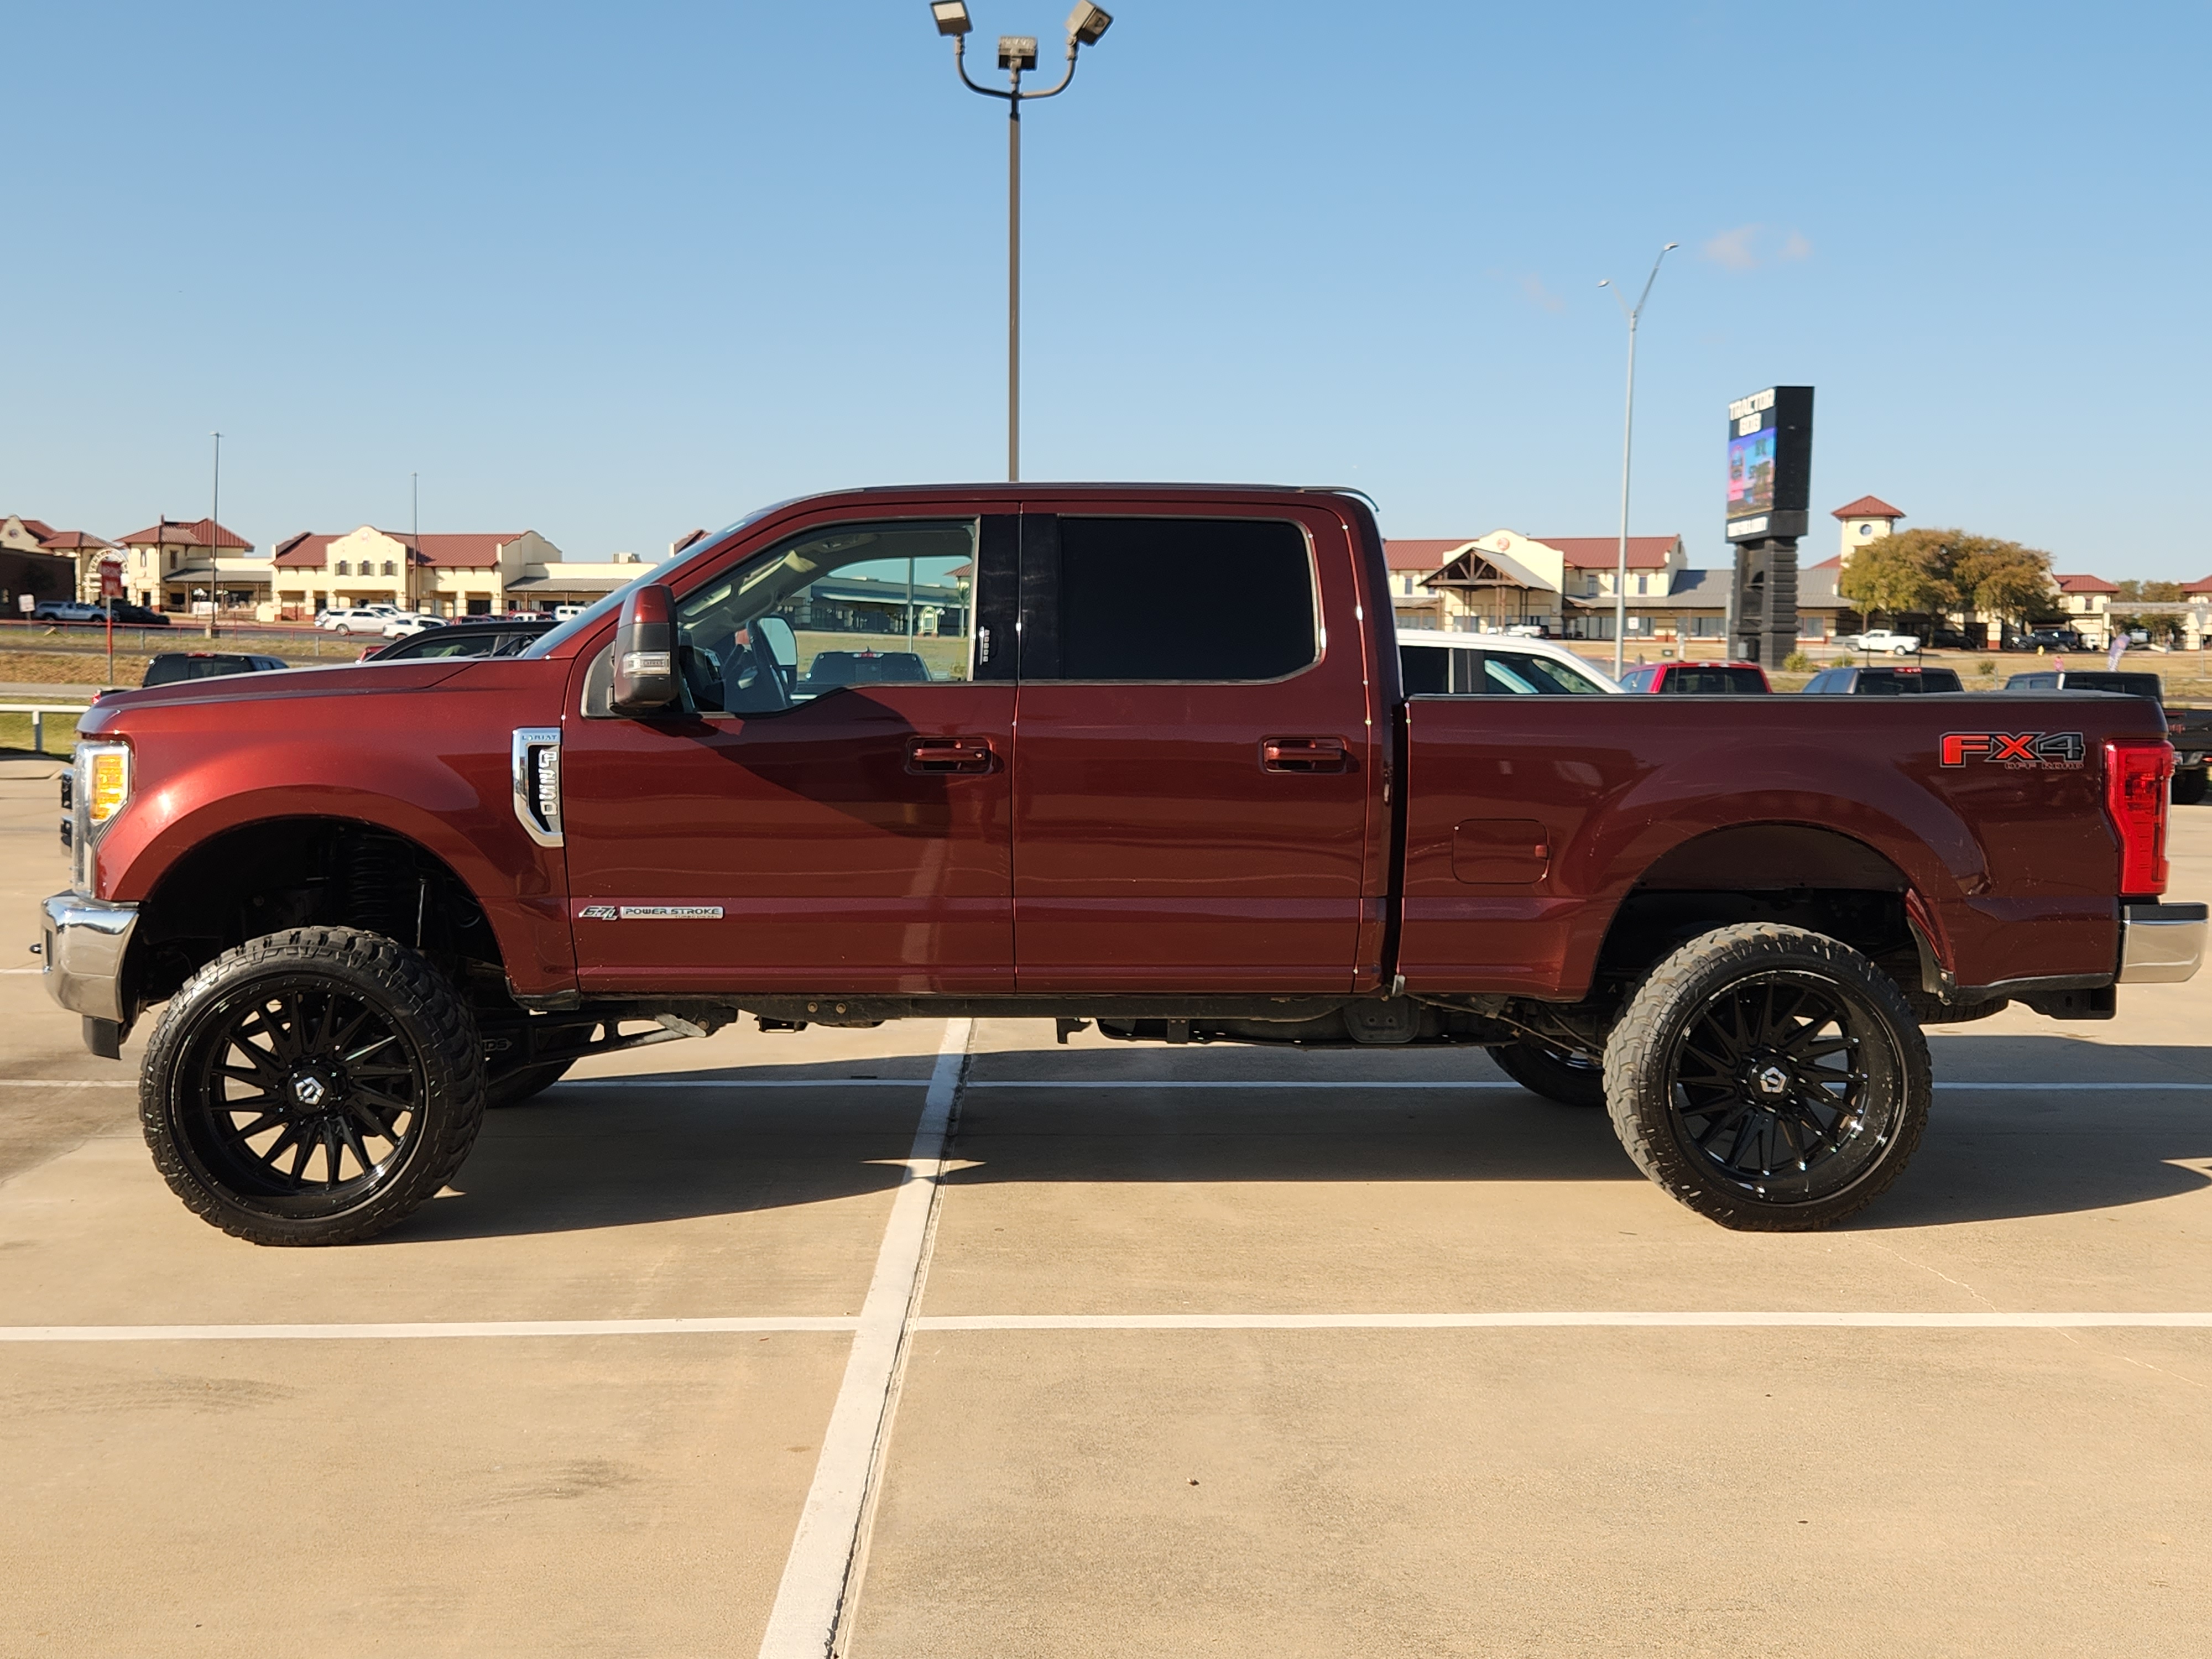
(611, 272)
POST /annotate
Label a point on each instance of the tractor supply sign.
(1770, 463)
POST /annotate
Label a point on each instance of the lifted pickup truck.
(1148, 763)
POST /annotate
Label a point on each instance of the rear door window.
(1425, 671)
(1172, 600)
(1716, 681)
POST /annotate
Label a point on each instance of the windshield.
(584, 620)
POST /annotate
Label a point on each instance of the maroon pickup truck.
(1131, 755)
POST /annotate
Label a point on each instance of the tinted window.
(2032, 683)
(1510, 673)
(1638, 679)
(2135, 685)
(1879, 683)
(1941, 679)
(169, 670)
(1184, 599)
(1424, 670)
(1716, 681)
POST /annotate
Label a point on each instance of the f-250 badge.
(650, 913)
(2017, 751)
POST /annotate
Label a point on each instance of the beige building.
(174, 564)
(1563, 583)
(1866, 520)
(85, 550)
(443, 575)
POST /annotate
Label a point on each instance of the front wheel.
(311, 1087)
(1770, 1079)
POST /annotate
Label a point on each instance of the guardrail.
(38, 712)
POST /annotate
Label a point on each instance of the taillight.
(2138, 777)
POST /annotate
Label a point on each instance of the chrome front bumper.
(2161, 943)
(85, 943)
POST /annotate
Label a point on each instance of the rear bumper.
(2161, 943)
(85, 943)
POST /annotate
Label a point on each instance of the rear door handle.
(940, 755)
(1306, 755)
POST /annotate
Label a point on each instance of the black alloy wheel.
(1769, 1078)
(311, 1087)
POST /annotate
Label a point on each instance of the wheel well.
(1793, 874)
(297, 873)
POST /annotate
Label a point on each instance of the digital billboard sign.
(1770, 464)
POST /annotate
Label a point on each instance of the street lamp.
(1086, 25)
(1635, 314)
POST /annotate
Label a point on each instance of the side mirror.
(645, 678)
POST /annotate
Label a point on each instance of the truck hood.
(333, 681)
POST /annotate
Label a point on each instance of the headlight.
(106, 773)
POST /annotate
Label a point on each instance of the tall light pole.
(1635, 315)
(214, 535)
(1017, 53)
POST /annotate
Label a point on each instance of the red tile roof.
(1833, 561)
(473, 551)
(303, 549)
(2203, 585)
(1603, 552)
(68, 541)
(1420, 555)
(1868, 507)
(37, 527)
(189, 532)
(2085, 585)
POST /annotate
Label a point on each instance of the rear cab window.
(1246, 608)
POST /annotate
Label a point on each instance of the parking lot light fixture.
(1087, 22)
(1634, 314)
(1016, 53)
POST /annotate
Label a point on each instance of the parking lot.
(1010, 1349)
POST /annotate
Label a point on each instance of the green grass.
(16, 733)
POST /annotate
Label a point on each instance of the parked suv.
(1897, 682)
(68, 611)
(1432, 663)
(1697, 679)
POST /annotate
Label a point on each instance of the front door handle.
(1306, 755)
(934, 755)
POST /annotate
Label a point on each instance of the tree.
(1899, 574)
(1921, 572)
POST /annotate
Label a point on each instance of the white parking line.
(1542, 1319)
(426, 1329)
(818, 1574)
(1533, 1319)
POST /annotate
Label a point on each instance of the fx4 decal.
(2049, 752)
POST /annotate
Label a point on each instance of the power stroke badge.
(650, 913)
(2017, 752)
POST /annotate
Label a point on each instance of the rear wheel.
(1770, 1079)
(1570, 1079)
(311, 1087)
(2189, 788)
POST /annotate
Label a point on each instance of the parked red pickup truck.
(1135, 756)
